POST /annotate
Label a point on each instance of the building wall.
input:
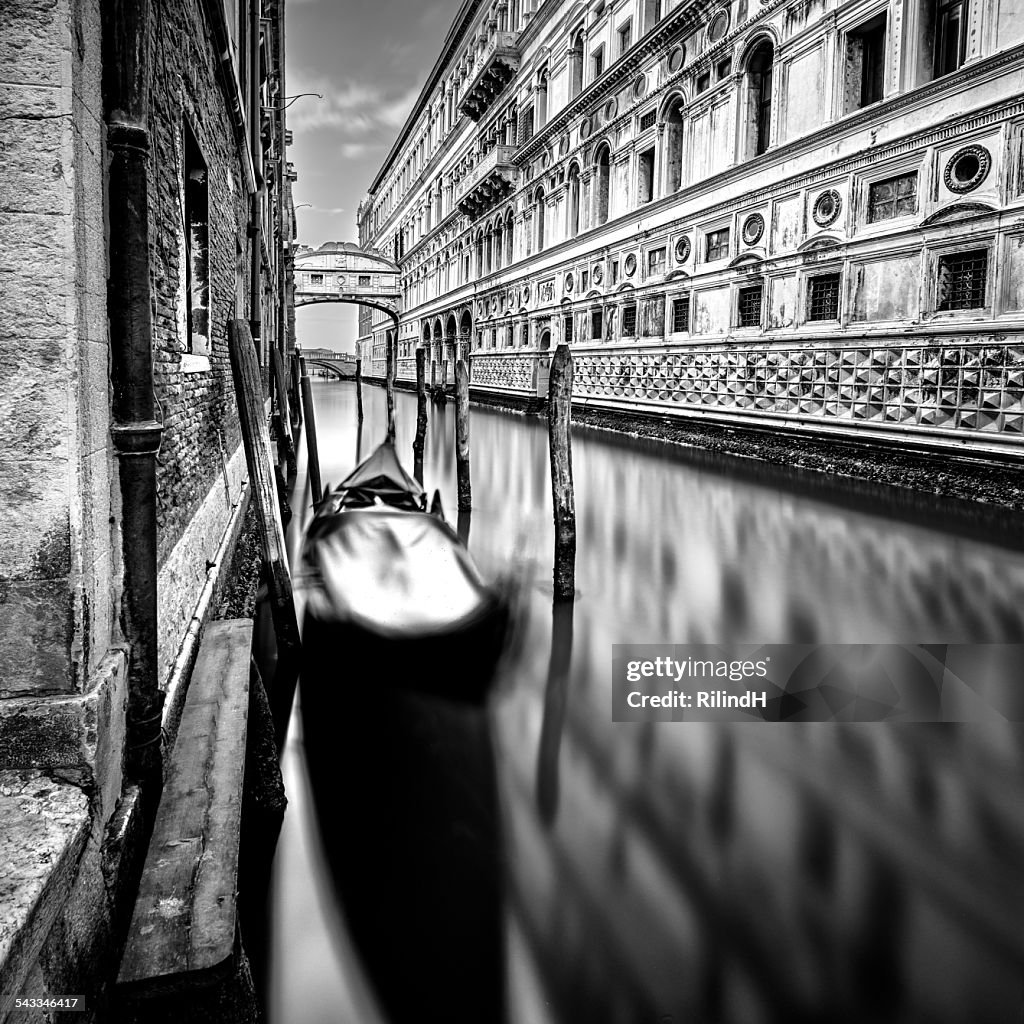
(67, 815)
(55, 571)
(692, 142)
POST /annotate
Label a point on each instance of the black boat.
(393, 595)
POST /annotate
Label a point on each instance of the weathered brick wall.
(200, 422)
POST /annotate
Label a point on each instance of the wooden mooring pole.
(462, 436)
(296, 398)
(390, 383)
(420, 440)
(359, 389)
(286, 445)
(563, 499)
(312, 450)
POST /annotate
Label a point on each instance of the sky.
(369, 59)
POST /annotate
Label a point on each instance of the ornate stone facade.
(799, 213)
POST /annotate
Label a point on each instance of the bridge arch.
(344, 272)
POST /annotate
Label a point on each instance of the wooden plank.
(283, 413)
(256, 438)
(185, 914)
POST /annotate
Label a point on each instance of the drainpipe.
(135, 431)
(256, 200)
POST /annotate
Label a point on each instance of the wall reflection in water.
(698, 872)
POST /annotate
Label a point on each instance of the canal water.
(536, 863)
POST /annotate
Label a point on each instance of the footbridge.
(344, 272)
(336, 364)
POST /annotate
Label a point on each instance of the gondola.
(392, 594)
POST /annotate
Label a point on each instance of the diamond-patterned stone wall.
(955, 384)
(503, 373)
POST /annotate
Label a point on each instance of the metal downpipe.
(134, 429)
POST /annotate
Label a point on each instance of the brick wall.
(200, 423)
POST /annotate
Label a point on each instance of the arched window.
(509, 238)
(480, 253)
(498, 245)
(539, 216)
(542, 99)
(574, 201)
(576, 65)
(673, 158)
(602, 184)
(759, 98)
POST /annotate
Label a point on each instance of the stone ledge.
(83, 734)
(44, 826)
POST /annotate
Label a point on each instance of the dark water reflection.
(698, 872)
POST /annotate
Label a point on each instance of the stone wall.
(62, 683)
(55, 567)
(68, 820)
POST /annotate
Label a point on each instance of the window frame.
(628, 307)
(935, 255)
(861, 193)
(624, 35)
(749, 284)
(706, 235)
(198, 345)
(679, 297)
(896, 214)
(649, 252)
(856, 28)
(807, 278)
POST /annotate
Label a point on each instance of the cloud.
(355, 110)
(355, 150)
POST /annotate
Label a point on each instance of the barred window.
(748, 305)
(716, 245)
(567, 329)
(509, 336)
(629, 321)
(681, 314)
(647, 120)
(596, 324)
(962, 280)
(364, 280)
(823, 297)
(894, 197)
(316, 280)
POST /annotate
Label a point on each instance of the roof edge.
(455, 34)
